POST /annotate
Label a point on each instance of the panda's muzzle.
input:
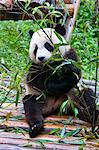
(41, 58)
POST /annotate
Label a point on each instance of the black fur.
(31, 33)
(33, 114)
(60, 29)
(49, 47)
(35, 50)
(71, 54)
(53, 84)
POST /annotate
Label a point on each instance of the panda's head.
(42, 45)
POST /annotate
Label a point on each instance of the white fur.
(31, 90)
(39, 38)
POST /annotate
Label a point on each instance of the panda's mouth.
(43, 61)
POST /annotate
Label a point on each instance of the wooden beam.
(17, 14)
(23, 142)
(70, 22)
(65, 1)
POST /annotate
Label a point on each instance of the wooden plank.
(38, 145)
(10, 125)
(13, 147)
(49, 146)
(74, 120)
(9, 15)
(24, 125)
(70, 22)
(52, 138)
(65, 1)
(13, 135)
(19, 140)
(3, 113)
(13, 124)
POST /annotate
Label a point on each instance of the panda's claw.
(34, 130)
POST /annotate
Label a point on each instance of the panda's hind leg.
(84, 100)
(88, 110)
(33, 114)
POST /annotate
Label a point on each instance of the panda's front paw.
(35, 129)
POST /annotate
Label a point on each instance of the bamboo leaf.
(8, 116)
(54, 131)
(17, 97)
(63, 132)
(59, 36)
(75, 112)
(73, 132)
(73, 142)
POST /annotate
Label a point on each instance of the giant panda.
(47, 89)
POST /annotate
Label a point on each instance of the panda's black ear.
(60, 29)
(49, 25)
(31, 33)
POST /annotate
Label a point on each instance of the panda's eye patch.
(35, 50)
(48, 47)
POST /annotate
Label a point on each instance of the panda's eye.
(48, 47)
(35, 50)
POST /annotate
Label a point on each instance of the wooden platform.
(10, 11)
(16, 10)
(61, 133)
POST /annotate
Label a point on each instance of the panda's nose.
(41, 58)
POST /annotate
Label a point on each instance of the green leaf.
(8, 115)
(28, 144)
(54, 131)
(17, 97)
(75, 112)
(44, 141)
(63, 107)
(73, 142)
(59, 36)
(63, 132)
(17, 117)
(73, 132)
